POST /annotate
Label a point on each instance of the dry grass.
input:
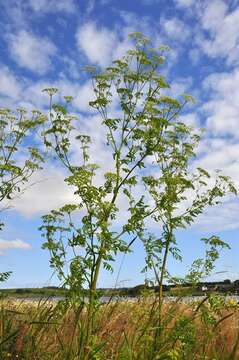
(124, 330)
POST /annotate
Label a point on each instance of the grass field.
(208, 329)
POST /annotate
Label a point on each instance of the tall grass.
(205, 329)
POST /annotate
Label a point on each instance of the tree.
(19, 158)
(150, 147)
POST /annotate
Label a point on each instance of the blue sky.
(48, 42)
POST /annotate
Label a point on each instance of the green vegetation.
(45, 331)
(32, 293)
(152, 173)
(225, 287)
(18, 162)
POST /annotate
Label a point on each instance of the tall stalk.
(149, 147)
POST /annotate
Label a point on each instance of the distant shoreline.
(225, 287)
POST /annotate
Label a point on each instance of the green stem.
(91, 305)
(161, 279)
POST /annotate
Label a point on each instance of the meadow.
(205, 329)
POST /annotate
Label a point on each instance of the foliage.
(5, 275)
(132, 137)
(179, 193)
(152, 152)
(17, 161)
(17, 164)
(32, 293)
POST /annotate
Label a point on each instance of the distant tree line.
(225, 286)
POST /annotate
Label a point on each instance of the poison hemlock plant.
(18, 161)
(151, 150)
(181, 195)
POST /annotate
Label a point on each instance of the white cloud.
(34, 96)
(29, 94)
(220, 153)
(190, 119)
(96, 43)
(84, 94)
(30, 51)
(102, 45)
(223, 119)
(19, 11)
(13, 244)
(213, 15)
(49, 191)
(99, 152)
(180, 86)
(184, 3)
(175, 29)
(223, 108)
(46, 6)
(223, 30)
(220, 218)
(82, 97)
(9, 84)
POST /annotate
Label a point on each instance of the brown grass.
(122, 330)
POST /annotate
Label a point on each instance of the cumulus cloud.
(180, 86)
(32, 96)
(214, 14)
(184, 3)
(223, 154)
(190, 119)
(218, 153)
(223, 107)
(175, 29)
(47, 6)
(39, 99)
(30, 51)
(82, 97)
(223, 30)
(13, 244)
(29, 94)
(48, 192)
(20, 12)
(101, 45)
(220, 218)
(9, 84)
(96, 43)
